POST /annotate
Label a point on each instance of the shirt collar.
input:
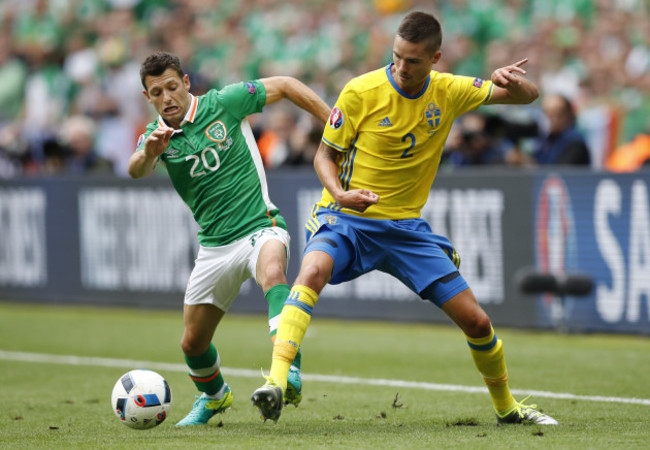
(189, 116)
(389, 74)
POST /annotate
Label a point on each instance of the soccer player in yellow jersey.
(377, 161)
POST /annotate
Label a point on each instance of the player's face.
(169, 94)
(413, 63)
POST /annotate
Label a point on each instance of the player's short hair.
(419, 27)
(157, 63)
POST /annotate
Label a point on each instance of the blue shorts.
(407, 249)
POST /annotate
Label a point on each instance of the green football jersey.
(215, 165)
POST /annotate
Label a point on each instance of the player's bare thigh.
(271, 267)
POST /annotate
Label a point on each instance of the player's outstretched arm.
(326, 165)
(510, 86)
(143, 162)
(298, 93)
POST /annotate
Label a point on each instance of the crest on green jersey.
(216, 131)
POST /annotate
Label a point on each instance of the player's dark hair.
(157, 63)
(418, 27)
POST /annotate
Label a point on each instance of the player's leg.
(488, 354)
(293, 324)
(315, 272)
(425, 259)
(204, 363)
(485, 347)
(271, 267)
(421, 257)
(204, 307)
(327, 254)
(200, 353)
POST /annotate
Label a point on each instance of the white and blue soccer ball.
(141, 399)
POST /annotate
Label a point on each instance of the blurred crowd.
(71, 99)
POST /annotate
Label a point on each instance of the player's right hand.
(158, 141)
(506, 76)
(357, 199)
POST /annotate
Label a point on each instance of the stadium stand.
(70, 58)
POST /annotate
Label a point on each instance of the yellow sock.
(294, 321)
(490, 360)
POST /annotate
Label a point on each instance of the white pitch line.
(246, 373)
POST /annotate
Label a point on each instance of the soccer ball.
(141, 399)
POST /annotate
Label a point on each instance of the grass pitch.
(367, 384)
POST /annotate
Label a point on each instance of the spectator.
(77, 148)
(12, 81)
(474, 144)
(275, 141)
(12, 86)
(288, 137)
(304, 142)
(562, 143)
(75, 53)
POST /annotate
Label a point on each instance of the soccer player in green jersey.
(377, 161)
(209, 152)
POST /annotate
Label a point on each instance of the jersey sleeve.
(243, 99)
(341, 128)
(469, 93)
(139, 146)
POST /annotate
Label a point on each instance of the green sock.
(205, 373)
(276, 296)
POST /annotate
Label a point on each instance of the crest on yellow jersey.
(432, 115)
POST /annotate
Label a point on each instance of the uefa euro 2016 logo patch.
(478, 82)
(336, 118)
(216, 131)
(251, 87)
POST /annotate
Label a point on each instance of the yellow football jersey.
(393, 141)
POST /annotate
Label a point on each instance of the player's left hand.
(506, 76)
(357, 199)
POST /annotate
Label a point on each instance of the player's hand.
(507, 76)
(357, 199)
(158, 141)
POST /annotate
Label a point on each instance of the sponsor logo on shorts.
(255, 236)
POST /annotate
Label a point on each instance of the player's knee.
(478, 326)
(271, 275)
(192, 346)
(313, 276)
